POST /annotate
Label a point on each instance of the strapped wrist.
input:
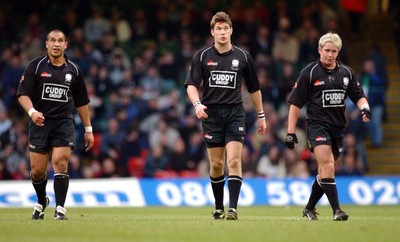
(365, 106)
(196, 103)
(88, 129)
(31, 111)
(261, 115)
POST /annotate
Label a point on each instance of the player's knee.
(61, 165)
(37, 174)
(329, 169)
(217, 164)
(233, 163)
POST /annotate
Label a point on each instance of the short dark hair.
(56, 31)
(220, 17)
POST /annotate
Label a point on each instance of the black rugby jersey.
(222, 75)
(324, 91)
(53, 90)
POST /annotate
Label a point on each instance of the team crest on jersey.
(235, 65)
(68, 79)
(345, 82)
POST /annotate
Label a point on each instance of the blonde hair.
(332, 38)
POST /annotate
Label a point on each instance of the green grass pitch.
(258, 223)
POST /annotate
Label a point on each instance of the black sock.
(61, 183)
(217, 185)
(316, 193)
(234, 184)
(329, 186)
(40, 188)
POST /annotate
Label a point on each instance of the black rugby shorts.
(224, 124)
(54, 133)
(320, 133)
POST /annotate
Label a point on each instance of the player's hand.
(201, 111)
(38, 118)
(291, 140)
(89, 140)
(366, 115)
(262, 126)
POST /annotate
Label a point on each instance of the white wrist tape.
(261, 115)
(31, 111)
(89, 129)
(196, 103)
(365, 106)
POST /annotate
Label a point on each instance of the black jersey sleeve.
(26, 86)
(79, 91)
(354, 90)
(194, 76)
(299, 94)
(250, 75)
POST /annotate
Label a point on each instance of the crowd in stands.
(135, 58)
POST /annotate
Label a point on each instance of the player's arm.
(256, 98)
(84, 115)
(363, 105)
(194, 97)
(36, 116)
(293, 116)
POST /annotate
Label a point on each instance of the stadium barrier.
(197, 192)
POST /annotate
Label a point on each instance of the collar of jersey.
(225, 53)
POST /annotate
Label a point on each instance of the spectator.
(179, 158)
(272, 165)
(156, 161)
(108, 168)
(140, 27)
(101, 80)
(134, 145)
(349, 166)
(164, 134)
(380, 64)
(355, 10)
(350, 143)
(4, 173)
(326, 14)
(120, 27)
(151, 83)
(196, 147)
(5, 123)
(374, 87)
(112, 139)
(74, 168)
(285, 49)
(70, 22)
(96, 25)
(249, 163)
(22, 171)
(10, 79)
(261, 43)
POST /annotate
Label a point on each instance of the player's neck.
(222, 48)
(57, 61)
